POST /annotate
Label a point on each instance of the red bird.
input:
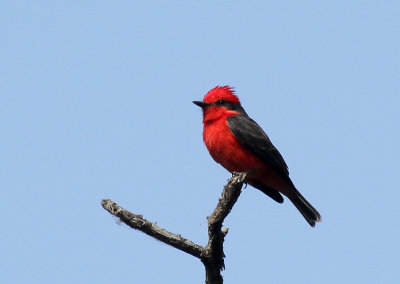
(239, 144)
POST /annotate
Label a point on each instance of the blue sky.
(96, 102)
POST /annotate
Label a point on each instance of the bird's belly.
(233, 156)
(227, 151)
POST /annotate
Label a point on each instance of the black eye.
(220, 102)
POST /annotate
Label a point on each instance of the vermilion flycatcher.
(239, 144)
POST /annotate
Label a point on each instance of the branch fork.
(211, 255)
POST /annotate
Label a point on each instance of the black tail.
(306, 209)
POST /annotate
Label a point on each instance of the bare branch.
(212, 255)
(214, 262)
(149, 228)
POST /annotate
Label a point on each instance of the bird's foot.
(239, 177)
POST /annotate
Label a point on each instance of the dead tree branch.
(149, 228)
(212, 255)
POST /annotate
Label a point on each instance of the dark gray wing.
(251, 135)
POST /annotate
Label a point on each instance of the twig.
(212, 255)
(138, 222)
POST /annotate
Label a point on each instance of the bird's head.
(219, 102)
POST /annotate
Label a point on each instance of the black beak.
(201, 104)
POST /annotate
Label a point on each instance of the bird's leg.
(247, 173)
(250, 171)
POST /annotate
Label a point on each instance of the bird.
(239, 144)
